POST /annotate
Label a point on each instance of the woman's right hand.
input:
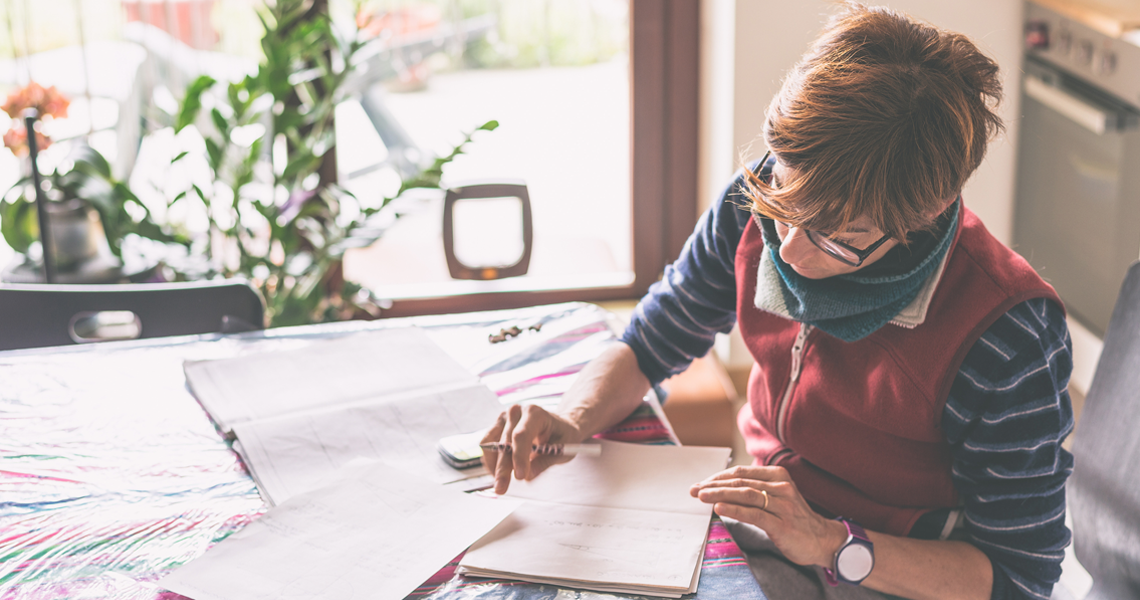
(523, 427)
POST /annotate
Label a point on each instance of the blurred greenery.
(272, 216)
(289, 242)
(532, 33)
(86, 177)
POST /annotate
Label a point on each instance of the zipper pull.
(798, 351)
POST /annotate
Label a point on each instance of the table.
(111, 474)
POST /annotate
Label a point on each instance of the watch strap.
(854, 532)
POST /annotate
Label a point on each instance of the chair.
(1104, 490)
(33, 316)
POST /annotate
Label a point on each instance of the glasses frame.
(833, 248)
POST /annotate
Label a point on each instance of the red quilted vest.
(859, 431)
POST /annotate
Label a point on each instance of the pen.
(552, 449)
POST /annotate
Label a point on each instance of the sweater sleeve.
(1006, 416)
(679, 317)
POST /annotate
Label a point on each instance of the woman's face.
(809, 261)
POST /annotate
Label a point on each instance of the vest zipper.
(797, 366)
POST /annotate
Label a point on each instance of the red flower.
(48, 102)
(16, 140)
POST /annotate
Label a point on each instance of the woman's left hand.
(804, 536)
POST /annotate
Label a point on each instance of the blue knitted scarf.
(849, 307)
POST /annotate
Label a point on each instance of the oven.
(1077, 211)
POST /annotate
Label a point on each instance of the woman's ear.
(949, 202)
(945, 205)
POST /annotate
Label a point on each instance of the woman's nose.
(795, 246)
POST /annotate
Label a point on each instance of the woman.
(909, 396)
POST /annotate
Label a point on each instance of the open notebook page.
(620, 522)
(322, 374)
(294, 453)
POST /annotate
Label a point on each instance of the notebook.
(297, 415)
(622, 522)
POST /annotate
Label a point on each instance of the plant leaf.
(18, 223)
(180, 196)
(215, 155)
(220, 122)
(192, 102)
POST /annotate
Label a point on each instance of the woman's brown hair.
(884, 117)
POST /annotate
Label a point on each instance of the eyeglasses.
(844, 253)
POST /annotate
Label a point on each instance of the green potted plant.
(289, 236)
(90, 211)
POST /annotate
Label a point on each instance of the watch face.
(855, 562)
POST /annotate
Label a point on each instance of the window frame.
(664, 59)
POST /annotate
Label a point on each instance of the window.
(614, 192)
(607, 148)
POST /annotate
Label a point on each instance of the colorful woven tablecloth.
(111, 474)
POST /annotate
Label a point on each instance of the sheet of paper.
(374, 532)
(617, 589)
(636, 476)
(620, 522)
(635, 551)
(328, 372)
(295, 453)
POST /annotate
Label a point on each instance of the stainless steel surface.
(1110, 63)
(1077, 213)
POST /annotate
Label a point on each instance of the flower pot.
(77, 235)
(80, 251)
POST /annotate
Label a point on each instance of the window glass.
(555, 75)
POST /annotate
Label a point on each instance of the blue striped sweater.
(1006, 416)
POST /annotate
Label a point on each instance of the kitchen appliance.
(1077, 212)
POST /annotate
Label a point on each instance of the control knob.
(1037, 35)
(1083, 53)
(1105, 63)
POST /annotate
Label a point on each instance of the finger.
(533, 428)
(743, 496)
(737, 483)
(747, 514)
(757, 472)
(505, 465)
(491, 457)
(758, 484)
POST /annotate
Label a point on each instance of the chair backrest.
(1104, 490)
(33, 316)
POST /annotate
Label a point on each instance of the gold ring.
(765, 492)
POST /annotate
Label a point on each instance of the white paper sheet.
(621, 522)
(295, 453)
(325, 373)
(635, 476)
(374, 532)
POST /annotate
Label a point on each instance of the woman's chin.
(811, 273)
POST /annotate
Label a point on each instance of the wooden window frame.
(664, 59)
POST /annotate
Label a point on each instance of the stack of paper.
(372, 532)
(622, 522)
(299, 414)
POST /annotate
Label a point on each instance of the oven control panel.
(1107, 62)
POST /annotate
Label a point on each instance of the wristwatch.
(854, 559)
